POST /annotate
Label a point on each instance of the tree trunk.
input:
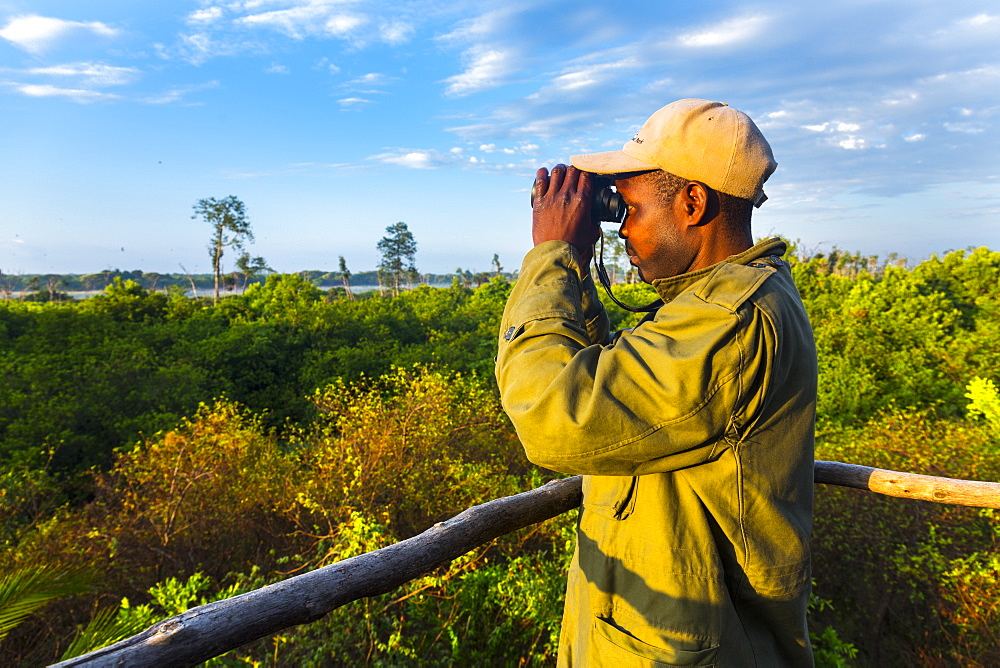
(216, 268)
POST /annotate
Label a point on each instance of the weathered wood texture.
(910, 485)
(215, 628)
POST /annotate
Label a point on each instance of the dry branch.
(213, 629)
(910, 485)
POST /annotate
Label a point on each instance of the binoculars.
(608, 206)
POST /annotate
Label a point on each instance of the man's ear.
(696, 203)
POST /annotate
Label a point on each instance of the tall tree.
(399, 251)
(345, 276)
(230, 227)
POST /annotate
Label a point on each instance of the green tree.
(613, 254)
(230, 227)
(398, 249)
(251, 267)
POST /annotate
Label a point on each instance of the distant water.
(207, 292)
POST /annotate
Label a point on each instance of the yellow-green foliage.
(383, 459)
(984, 401)
(379, 445)
(911, 582)
(282, 476)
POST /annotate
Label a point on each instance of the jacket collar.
(669, 288)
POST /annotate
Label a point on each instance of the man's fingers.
(540, 186)
(557, 177)
(572, 178)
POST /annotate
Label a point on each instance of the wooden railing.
(215, 628)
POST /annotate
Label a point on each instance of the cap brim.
(610, 162)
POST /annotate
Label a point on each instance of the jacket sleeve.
(661, 398)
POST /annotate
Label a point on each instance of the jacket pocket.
(617, 647)
(610, 496)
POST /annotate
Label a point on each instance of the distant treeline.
(45, 287)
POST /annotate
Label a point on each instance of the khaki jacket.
(694, 434)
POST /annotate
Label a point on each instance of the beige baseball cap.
(696, 140)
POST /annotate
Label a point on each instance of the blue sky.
(332, 119)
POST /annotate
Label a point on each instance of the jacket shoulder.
(730, 285)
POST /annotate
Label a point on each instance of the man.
(694, 430)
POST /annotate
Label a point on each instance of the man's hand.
(562, 210)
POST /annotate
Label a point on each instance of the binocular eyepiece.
(608, 206)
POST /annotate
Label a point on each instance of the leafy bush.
(317, 431)
(984, 402)
(891, 566)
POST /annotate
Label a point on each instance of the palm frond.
(106, 628)
(27, 589)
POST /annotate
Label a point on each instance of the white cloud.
(37, 33)
(915, 137)
(370, 79)
(231, 28)
(275, 68)
(310, 18)
(590, 76)
(75, 94)
(902, 98)
(325, 64)
(978, 76)
(422, 159)
(487, 68)
(817, 128)
(852, 143)
(199, 47)
(177, 94)
(204, 16)
(395, 32)
(980, 20)
(965, 128)
(726, 33)
(477, 29)
(353, 102)
(454, 157)
(580, 80)
(507, 150)
(93, 74)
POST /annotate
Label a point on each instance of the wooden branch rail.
(910, 485)
(215, 628)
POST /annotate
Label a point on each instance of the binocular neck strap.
(602, 274)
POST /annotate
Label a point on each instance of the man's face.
(653, 237)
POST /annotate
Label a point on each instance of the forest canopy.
(158, 451)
